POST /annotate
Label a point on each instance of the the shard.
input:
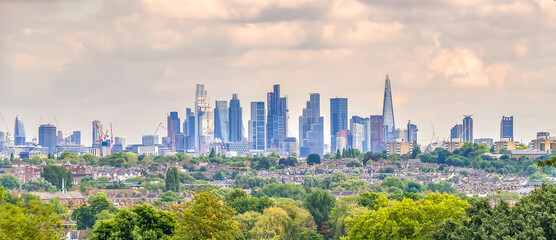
(388, 125)
(19, 136)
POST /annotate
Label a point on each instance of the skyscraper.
(174, 124)
(377, 143)
(236, 120)
(357, 129)
(468, 129)
(367, 138)
(76, 137)
(507, 128)
(456, 133)
(256, 126)
(97, 127)
(412, 132)
(189, 129)
(311, 128)
(338, 119)
(277, 118)
(19, 131)
(204, 124)
(388, 122)
(47, 137)
(221, 120)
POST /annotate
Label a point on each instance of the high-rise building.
(59, 138)
(19, 132)
(488, 141)
(97, 127)
(204, 124)
(388, 122)
(468, 129)
(189, 129)
(344, 140)
(47, 137)
(357, 129)
(377, 143)
(507, 128)
(235, 120)
(221, 120)
(367, 138)
(456, 133)
(150, 140)
(3, 141)
(174, 124)
(400, 135)
(119, 144)
(257, 126)
(277, 118)
(412, 133)
(338, 119)
(311, 128)
(76, 138)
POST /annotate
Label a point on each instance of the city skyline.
(66, 59)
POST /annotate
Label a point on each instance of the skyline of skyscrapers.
(338, 119)
(311, 128)
(507, 128)
(47, 137)
(277, 118)
(19, 131)
(388, 123)
(235, 120)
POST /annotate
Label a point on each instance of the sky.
(131, 62)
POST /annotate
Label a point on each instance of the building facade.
(412, 133)
(204, 124)
(507, 128)
(357, 129)
(277, 118)
(456, 133)
(257, 126)
(19, 132)
(47, 137)
(467, 128)
(235, 120)
(338, 119)
(388, 123)
(377, 143)
(221, 121)
(311, 128)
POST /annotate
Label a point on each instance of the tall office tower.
(400, 134)
(256, 126)
(456, 133)
(236, 120)
(76, 138)
(367, 138)
(59, 138)
(19, 132)
(357, 129)
(338, 119)
(150, 140)
(3, 141)
(311, 128)
(377, 143)
(412, 132)
(119, 144)
(97, 127)
(388, 122)
(221, 120)
(277, 118)
(173, 123)
(204, 124)
(189, 129)
(507, 128)
(467, 129)
(47, 137)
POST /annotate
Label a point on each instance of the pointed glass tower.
(388, 125)
(19, 132)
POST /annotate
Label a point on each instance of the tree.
(171, 197)
(55, 174)
(205, 217)
(319, 203)
(172, 180)
(86, 215)
(9, 181)
(313, 159)
(250, 203)
(141, 222)
(368, 199)
(343, 209)
(284, 190)
(38, 184)
(212, 153)
(311, 182)
(272, 223)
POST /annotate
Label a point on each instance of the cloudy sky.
(130, 62)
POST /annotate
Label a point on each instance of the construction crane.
(433, 134)
(152, 138)
(100, 137)
(7, 129)
(171, 140)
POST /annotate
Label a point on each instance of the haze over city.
(133, 62)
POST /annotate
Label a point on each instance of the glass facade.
(311, 128)
(338, 119)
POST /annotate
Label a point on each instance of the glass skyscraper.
(47, 137)
(338, 119)
(277, 118)
(221, 120)
(257, 126)
(507, 128)
(235, 120)
(97, 127)
(357, 129)
(311, 128)
(19, 131)
(456, 133)
(388, 122)
(412, 133)
(189, 129)
(377, 143)
(468, 129)
(204, 124)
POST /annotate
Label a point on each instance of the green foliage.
(252, 182)
(313, 159)
(442, 187)
(319, 203)
(407, 219)
(9, 181)
(171, 197)
(38, 184)
(172, 180)
(284, 190)
(141, 222)
(368, 199)
(343, 209)
(86, 215)
(354, 164)
(250, 203)
(284, 221)
(205, 217)
(386, 170)
(55, 174)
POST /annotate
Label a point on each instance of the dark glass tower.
(19, 132)
(174, 126)
(277, 118)
(47, 137)
(412, 132)
(235, 120)
(338, 119)
(456, 132)
(189, 129)
(388, 122)
(377, 144)
(311, 128)
(468, 129)
(507, 128)
(221, 120)
(256, 126)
